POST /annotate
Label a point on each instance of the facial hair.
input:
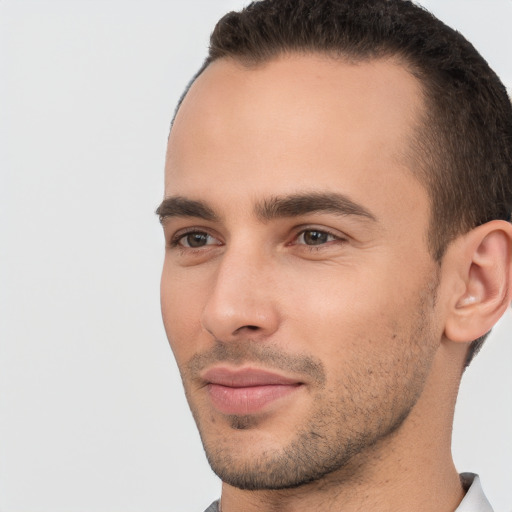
(369, 400)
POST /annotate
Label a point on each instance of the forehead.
(299, 121)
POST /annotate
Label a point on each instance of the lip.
(246, 391)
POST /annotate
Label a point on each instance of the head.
(463, 143)
(329, 169)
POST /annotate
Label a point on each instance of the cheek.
(338, 311)
(181, 312)
(343, 296)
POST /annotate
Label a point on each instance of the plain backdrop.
(92, 414)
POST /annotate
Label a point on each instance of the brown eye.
(196, 239)
(314, 237)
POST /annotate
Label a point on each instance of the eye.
(315, 237)
(195, 240)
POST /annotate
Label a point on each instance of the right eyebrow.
(178, 206)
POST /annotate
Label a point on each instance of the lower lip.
(247, 400)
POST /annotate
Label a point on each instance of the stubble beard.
(369, 403)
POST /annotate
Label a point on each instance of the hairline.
(417, 153)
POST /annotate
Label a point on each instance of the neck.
(421, 483)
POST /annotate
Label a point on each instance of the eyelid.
(175, 239)
(302, 236)
(338, 236)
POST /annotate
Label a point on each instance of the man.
(337, 210)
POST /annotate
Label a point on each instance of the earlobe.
(483, 261)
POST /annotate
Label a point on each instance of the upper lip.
(246, 377)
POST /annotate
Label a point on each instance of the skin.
(350, 305)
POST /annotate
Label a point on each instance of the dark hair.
(463, 146)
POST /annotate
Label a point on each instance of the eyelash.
(301, 234)
(178, 237)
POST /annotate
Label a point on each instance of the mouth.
(246, 391)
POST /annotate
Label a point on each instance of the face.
(298, 294)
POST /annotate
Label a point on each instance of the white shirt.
(475, 500)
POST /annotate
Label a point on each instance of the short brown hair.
(463, 147)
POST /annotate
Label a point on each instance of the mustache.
(255, 352)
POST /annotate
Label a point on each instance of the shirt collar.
(475, 500)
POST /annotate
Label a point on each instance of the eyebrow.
(314, 202)
(276, 207)
(178, 206)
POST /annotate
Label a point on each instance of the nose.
(242, 300)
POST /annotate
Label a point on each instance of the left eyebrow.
(315, 202)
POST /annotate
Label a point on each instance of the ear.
(482, 262)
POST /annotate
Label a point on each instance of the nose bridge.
(240, 298)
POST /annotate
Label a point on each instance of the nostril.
(245, 328)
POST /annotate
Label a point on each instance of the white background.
(92, 415)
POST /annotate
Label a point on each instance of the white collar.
(475, 500)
